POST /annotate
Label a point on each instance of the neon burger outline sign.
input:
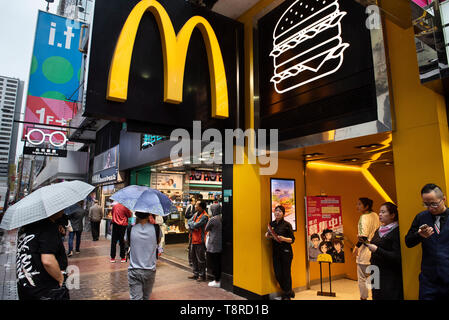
(306, 23)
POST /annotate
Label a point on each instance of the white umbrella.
(44, 203)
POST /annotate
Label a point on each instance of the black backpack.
(157, 228)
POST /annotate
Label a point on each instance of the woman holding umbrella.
(41, 256)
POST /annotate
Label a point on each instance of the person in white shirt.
(367, 226)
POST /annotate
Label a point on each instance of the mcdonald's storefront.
(353, 118)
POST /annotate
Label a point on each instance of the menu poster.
(325, 227)
(283, 194)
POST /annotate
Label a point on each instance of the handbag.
(69, 227)
(207, 240)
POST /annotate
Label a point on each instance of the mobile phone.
(423, 226)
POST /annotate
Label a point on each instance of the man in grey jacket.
(214, 243)
(76, 220)
(95, 215)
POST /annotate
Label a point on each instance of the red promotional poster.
(48, 111)
(325, 227)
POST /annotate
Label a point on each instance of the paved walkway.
(101, 280)
(8, 289)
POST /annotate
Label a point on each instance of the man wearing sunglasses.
(431, 230)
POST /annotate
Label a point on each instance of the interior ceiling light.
(350, 160)
(310, 155)
(367, 146)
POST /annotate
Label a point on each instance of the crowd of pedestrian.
(42, 259)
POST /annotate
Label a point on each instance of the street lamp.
(48, 3)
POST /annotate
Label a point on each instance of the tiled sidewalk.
(8, 289)
(101, 280)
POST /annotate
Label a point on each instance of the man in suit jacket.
(431, 230)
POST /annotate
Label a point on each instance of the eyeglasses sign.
(37, 137)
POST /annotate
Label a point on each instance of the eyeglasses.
(56, 138)
(432, 204)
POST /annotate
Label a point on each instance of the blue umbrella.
(144, 199)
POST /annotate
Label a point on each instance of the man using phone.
(431, 230)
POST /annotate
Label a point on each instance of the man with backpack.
(142, 239)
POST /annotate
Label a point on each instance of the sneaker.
(77, 252)
(123, 260)
(70, 254)
(193, 277)
(112, 260)
(214, 284)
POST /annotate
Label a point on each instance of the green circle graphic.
(57, 70)
(34, 65)
(53, 95)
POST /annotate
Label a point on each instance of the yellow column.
(251, 269)
(420, 142)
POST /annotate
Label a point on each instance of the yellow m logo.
(174, 52)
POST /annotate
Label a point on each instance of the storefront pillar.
(420, 142)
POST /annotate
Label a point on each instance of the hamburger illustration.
(307, 43)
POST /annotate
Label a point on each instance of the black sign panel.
(47, 152)
(315, 67)
(144, 109)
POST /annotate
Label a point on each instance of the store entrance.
(335, 175)
(181, 181)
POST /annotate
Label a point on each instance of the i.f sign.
(373, 20)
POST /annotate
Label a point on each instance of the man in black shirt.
(40, 261)
(431, 230)
(282, 236)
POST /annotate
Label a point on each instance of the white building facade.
(11, 91)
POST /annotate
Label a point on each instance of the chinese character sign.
(325, 228)
(55, 71)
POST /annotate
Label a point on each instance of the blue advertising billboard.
(55, 71)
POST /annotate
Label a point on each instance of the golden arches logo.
(174, 49)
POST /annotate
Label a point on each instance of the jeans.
(78, 240)
(140, 283)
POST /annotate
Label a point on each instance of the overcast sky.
(18, 20)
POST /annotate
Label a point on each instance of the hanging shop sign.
(283, 194)
(170, 62)
(317, 73)
(324, 227)
(40, 143)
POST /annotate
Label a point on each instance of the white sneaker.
(214, 284)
